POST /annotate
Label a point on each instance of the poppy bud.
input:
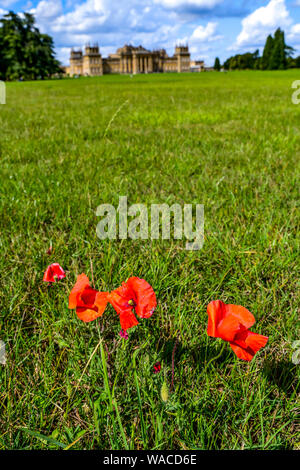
(164, 393)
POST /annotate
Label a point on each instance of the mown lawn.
(228, 141)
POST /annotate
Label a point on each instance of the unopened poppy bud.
(164, 393)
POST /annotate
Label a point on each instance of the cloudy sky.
(210, 27)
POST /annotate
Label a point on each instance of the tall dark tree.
(276, 52)
(278, 57)
(24, 51)
(267, 53)
(217, 65)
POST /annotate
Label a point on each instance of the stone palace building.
(132, 60)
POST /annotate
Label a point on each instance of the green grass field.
(228, 141)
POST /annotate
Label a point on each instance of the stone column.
(135, 64)
(150, 69)
(179, 63)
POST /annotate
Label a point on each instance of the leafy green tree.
(248, 61)
(217, 65)
(24, 51)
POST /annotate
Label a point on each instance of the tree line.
(277, 55)
(25, 53)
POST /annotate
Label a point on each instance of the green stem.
(143, 428)
(112, 401)
(216, 357)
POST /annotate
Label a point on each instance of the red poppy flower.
(157, 367)
(135, 294)
(89, 303)
(54, 273)
(232, 323)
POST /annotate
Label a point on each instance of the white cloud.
(262, 22)
(47, 9)
(173, 4)
(205, 33)
(108, 22)
(295, 29)
(294, 34)
(83, 19)
(63, 54)
(201, 42)
(6, 3)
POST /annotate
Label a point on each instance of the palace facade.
(130, 60)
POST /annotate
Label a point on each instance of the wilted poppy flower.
(232, 323)
(49, 251)
(89, 303)
(54, 273)
(135, 294)
(124, 334)
(157, 367)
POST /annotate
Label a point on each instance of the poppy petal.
(120, 297)
(145, 297)
(86, 314)
(256, 341)
(241, 313)
(81, 283)
(241, 353)
(48, 275)
(101, 302)
(58, 271)
(228, 328)
(128, 320)
(246, 344)
(54, 273)
(216, 313)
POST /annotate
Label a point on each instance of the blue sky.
(210, 27)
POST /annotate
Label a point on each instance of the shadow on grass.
(199, 355)
(283, 374)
